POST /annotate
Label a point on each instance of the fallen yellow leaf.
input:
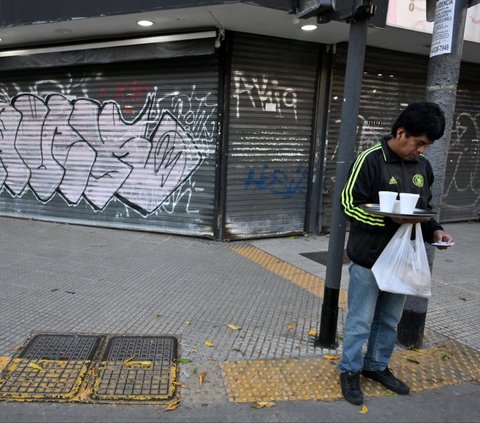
(312, 332)
(181, 385)
(331, 357)
(263, 404)
(209, 343)
(138, 364)
(364, 409)
(292, 326)
(129, 359)
(234, 327)
(84, 394)
(35, 366)
(201, 377)
(171, 405)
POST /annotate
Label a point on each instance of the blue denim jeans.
(372, 317)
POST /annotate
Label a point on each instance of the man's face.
(409, 147)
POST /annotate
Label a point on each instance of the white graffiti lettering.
(464, 160)
(82, 148)
(265, 93)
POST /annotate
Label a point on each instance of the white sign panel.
(472, 25)
(443, 28)
(412, 14)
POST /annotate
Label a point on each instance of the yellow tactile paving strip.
(311, 283)
(317, 378)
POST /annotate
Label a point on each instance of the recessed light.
(145, 23)
(309, 27)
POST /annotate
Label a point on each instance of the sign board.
(412, 15)
(443, 25)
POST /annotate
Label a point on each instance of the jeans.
(372, 316)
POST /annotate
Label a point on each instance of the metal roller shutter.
(391, 81)
(129, 145)
(387, 87)
(269, 136)
(461, 199)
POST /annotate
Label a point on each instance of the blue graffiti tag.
(277, 181)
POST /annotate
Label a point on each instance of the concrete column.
(442, 80)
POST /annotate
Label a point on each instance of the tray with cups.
(417, 213)
(402, 208)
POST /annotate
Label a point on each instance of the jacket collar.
(388, 154)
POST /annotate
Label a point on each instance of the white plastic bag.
(403, 268)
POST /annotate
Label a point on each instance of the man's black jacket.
(379, 169)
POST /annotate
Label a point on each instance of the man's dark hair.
(422, 118)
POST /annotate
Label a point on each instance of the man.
(394, 164)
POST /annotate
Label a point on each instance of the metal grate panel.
(49, 367)
(137, 368)
(61, 347)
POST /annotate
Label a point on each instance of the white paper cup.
(408, 202)
(387, 200)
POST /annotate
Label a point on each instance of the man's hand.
(442, 236)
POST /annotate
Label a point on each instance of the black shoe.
(387, 379)
(351, 391)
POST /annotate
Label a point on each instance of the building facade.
(188, 135)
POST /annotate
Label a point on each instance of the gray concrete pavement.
(453, 310)
(78, 279)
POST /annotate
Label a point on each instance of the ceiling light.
(309, 27)
(145, 23)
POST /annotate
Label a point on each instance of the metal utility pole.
(345, 156)
(359, 13)
(442, 80)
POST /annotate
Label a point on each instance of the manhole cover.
(322, 257)
(49, 367)
(137, 368)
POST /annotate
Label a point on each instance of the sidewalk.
(77, 279)
(455, 302)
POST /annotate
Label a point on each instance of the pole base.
(328, 326)
(410, 329)
(319, 343)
